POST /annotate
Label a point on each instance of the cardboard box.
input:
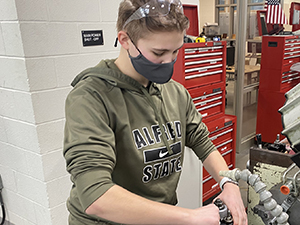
(212, 30)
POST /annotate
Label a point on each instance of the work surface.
(251, 80)
(248, 69)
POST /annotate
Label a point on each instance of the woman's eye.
(158, 54)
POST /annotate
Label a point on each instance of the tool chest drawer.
(291, 51)
(209, 100)
(201, 64)
(222, 135)
(222, 129)
(289, 79)
(292, 46)
(279, 80)
(291, 58)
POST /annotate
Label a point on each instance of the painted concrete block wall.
(41, 52)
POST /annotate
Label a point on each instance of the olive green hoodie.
(119, 132)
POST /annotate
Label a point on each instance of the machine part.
(286, 194)
(279, 147)
(225, 216)
(264, 215)
(284, 176)
(296, 159)
(286, 188)
(265, 196)
(258, 139)
(290, 117)
(290, 204)
(290, 181)
(277, 139)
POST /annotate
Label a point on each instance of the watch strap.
(229, 180)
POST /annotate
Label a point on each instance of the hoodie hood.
(108, 71)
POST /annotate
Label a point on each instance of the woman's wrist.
(226, 180)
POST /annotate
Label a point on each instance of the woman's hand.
(205, 215)
(231, 196)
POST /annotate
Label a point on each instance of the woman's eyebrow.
(165, 50)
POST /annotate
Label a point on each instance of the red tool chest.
(279, 53)
(201, 64)
(201, 68)
(222, 134)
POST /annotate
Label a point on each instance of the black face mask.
(156, 72)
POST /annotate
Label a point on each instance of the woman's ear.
(123, 39)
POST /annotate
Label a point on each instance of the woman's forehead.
(163, 39)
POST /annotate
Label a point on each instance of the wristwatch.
(227, 179)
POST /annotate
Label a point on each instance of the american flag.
(275, 14)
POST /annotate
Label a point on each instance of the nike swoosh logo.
(162, 154)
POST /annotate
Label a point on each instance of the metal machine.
(280, 205)
(273, 211)
(286, 194)
(290, 114)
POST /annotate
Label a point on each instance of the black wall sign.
(92, 37)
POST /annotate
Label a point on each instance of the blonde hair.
(137, 29)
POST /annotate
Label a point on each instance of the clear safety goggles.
(154, 8)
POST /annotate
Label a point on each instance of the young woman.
(127, 124)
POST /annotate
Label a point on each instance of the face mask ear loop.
(134, 44)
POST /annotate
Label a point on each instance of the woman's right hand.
(206, 215)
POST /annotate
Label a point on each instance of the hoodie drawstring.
(164, 137)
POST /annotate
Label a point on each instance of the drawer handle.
(206, 96)
(203, 74)
(208, 101)
(225, 143)
(210, 106)
(221, 134)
